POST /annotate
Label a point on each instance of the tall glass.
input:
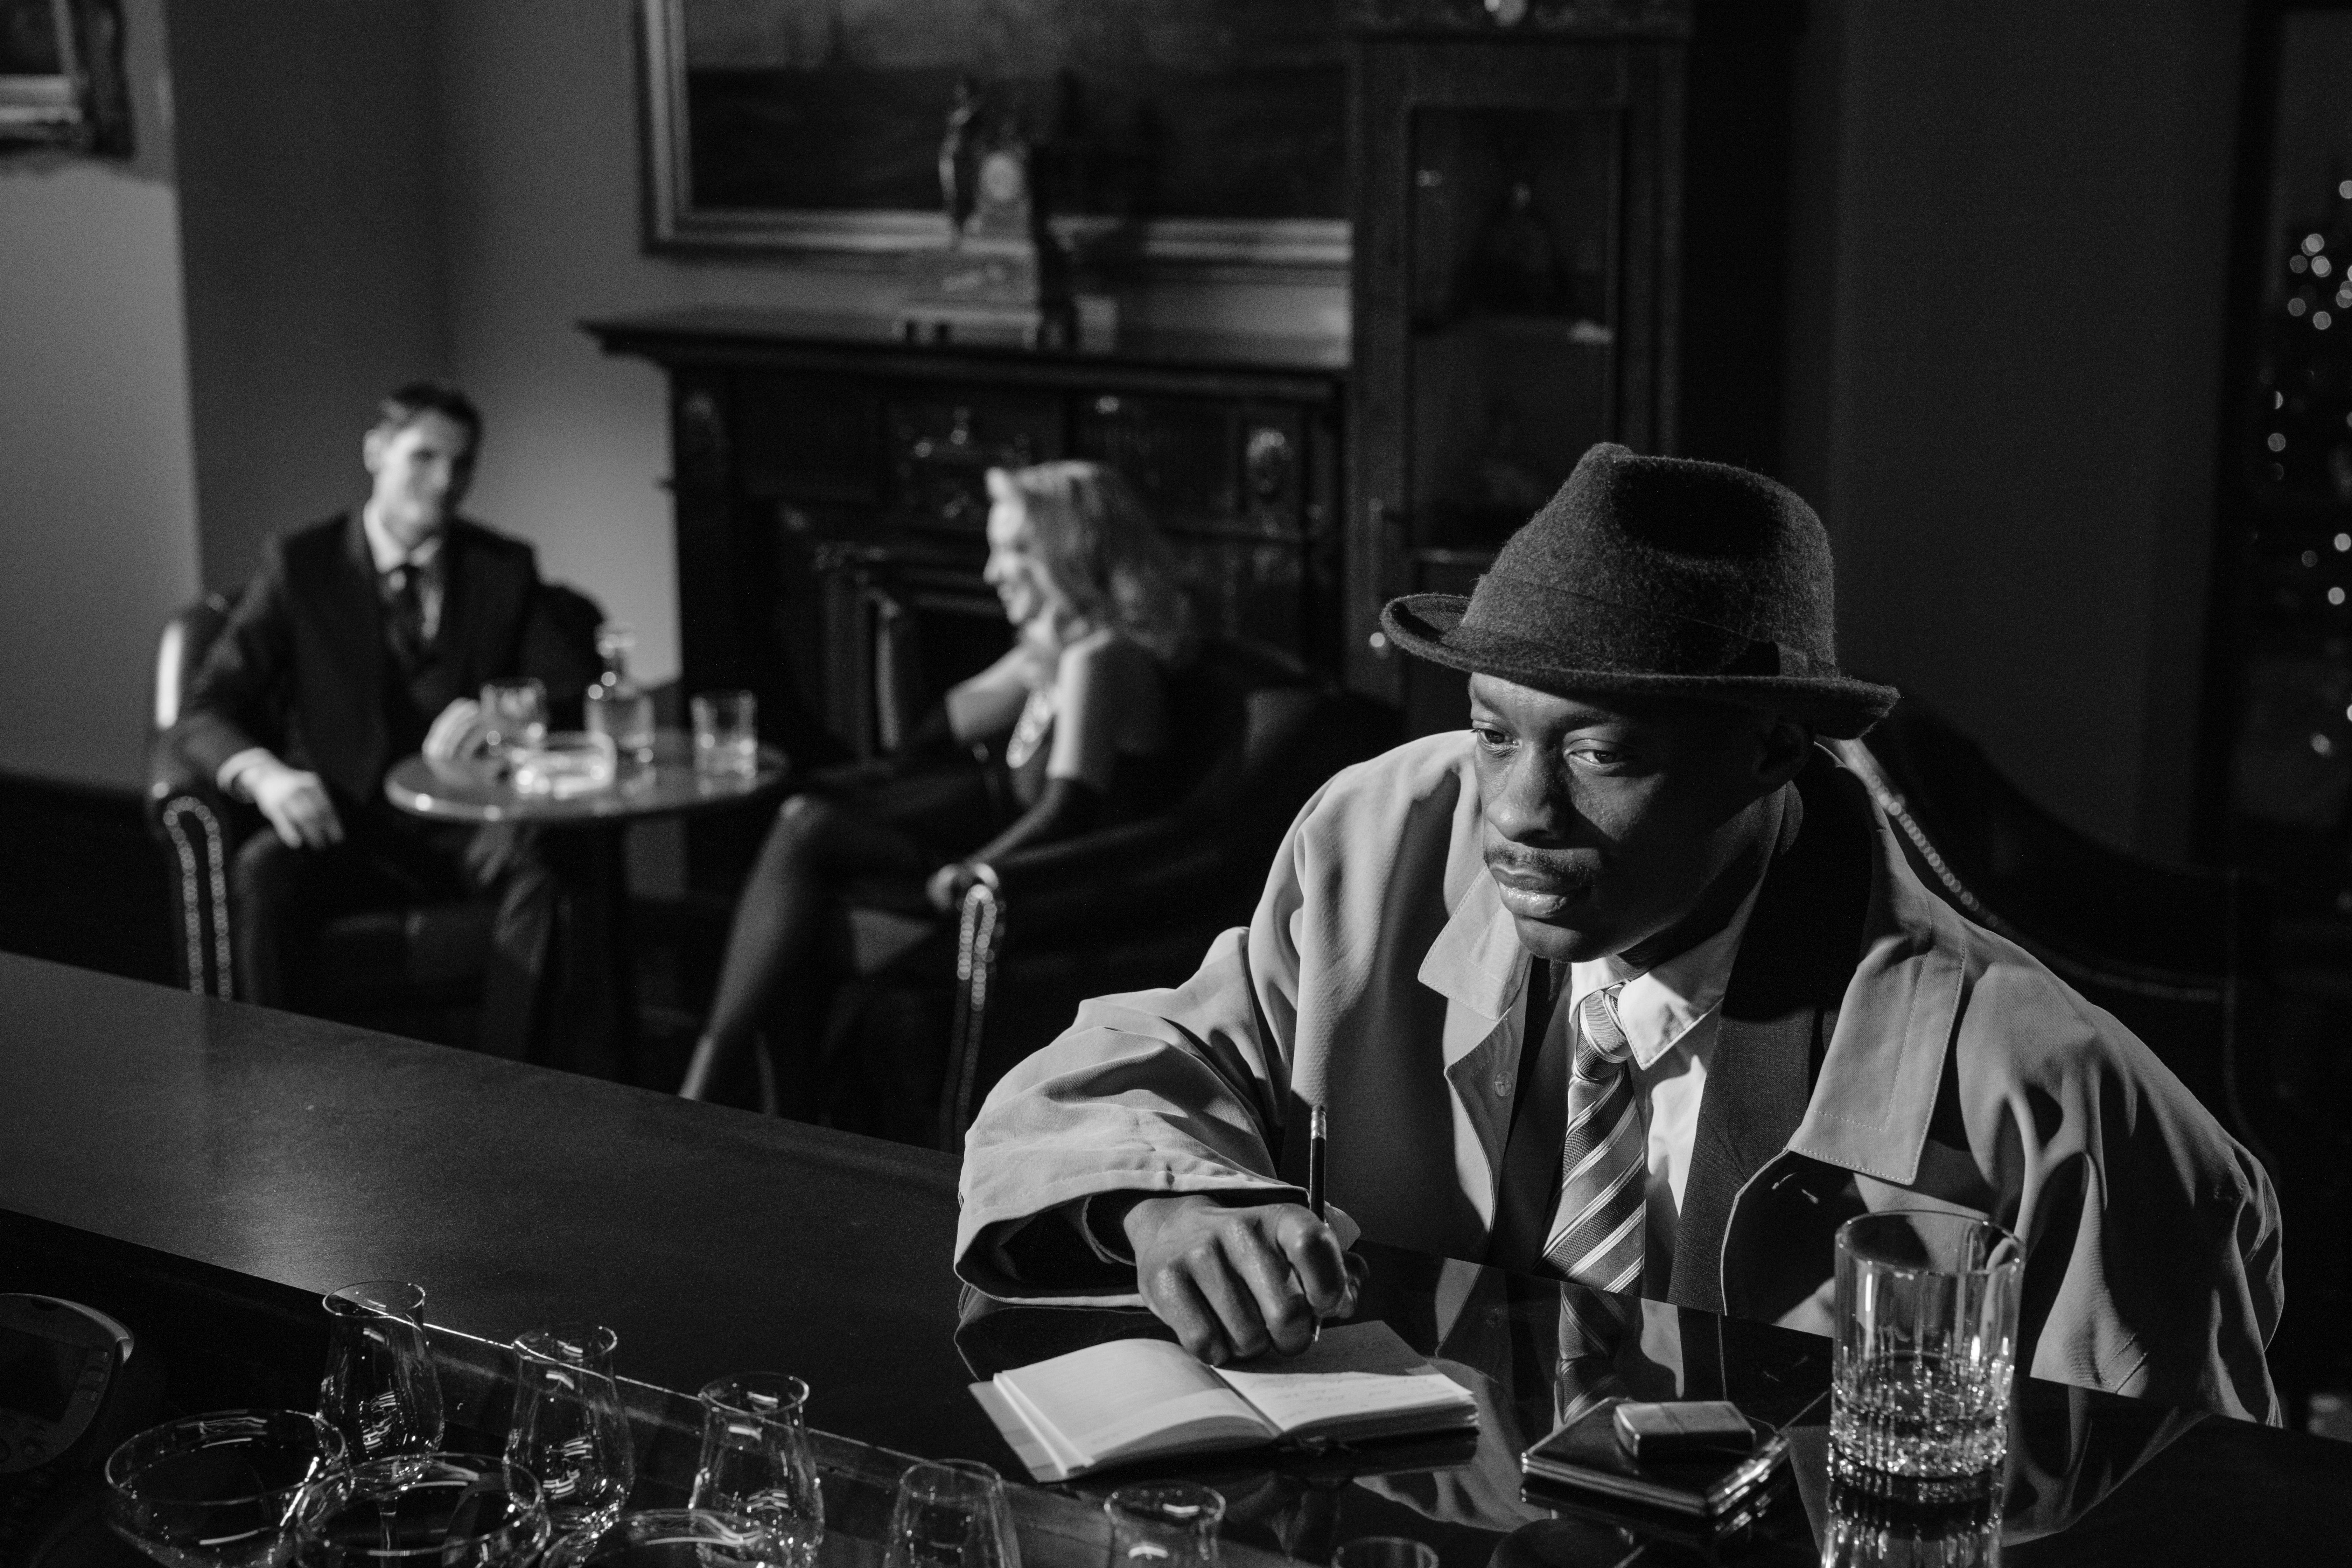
(1868, 1528)
(380, 1389)
(236, 1488)
(951, 1515)
(756, 1467)
(514, 715)
(616, 706)
(1927, 1348)
(569, 1429)
(1165, 1524)
(442, 1511)
(727, 734)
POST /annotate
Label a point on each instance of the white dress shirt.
(1671, 1016)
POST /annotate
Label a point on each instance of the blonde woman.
(1075, 721)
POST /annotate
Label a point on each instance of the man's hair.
(404, 405)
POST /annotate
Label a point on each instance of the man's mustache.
(1535, 869)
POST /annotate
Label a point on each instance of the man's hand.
(1236, 1282)
(295, 802)
(457, 731)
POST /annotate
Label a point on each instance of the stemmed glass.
(569, 1428)
(380, 1390)
(756, 1468)
(236, 1488)
(453, 1510)
(951, 1515)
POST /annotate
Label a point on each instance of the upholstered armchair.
(910, 1052)
(413, 970)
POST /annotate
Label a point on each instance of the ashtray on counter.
(568, 763)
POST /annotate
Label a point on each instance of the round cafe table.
(597, 1031)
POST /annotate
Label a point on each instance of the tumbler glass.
(951, 1515)
(569, 1428)
(1869, 1529)
(727, 734)
(236, 1488)
(1385, 1552)
(437, 1511)
(756, 1468)
(1165, 1524)
(1927, 1346)
(380, 1389)
(514, 715)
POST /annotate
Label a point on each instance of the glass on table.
(951, 1515)
(616, 706)
(727, 734)
(514, 714)
(566, 763)
(756, 1468)
(380, 1390)
(1926, 1351)
(236, 1489)
(569, 1429)
(439, 1511)
(1165, 1524)
(1385, 1552)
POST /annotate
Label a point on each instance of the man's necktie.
(1596, 1233)
(404, 618)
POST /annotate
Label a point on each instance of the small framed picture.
(62, 79)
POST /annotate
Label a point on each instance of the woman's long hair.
(1089, 529)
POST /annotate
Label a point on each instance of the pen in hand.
(1319, 1135)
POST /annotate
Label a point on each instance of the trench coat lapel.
(1477, 964)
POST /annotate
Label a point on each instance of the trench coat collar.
(1476, 963)
(1876, 1092)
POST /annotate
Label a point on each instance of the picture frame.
(878, 211)
(62, 84)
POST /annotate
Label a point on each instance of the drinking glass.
(236, 1488)
(1927, 1347)
(569, 1428)
(682, 1538)
(1165, 1524)
(1385, 1552)
(380, 1390)
(440, 1511)
(951, 1515)
(756, 1468)
(514, 714)
(727, 734)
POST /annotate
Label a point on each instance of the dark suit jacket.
(302, 666)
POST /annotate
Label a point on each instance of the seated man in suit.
(357, 643)
(1629, 983)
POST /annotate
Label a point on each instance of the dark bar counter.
(222, 1165)
(309, 1155)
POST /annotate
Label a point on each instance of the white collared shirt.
(390, 557)
(1671, 1016)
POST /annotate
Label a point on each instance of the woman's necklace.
(1029, 732)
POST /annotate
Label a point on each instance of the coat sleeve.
(1177, 1090)
(237, 698)
(2152, 1236)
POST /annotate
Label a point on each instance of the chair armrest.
(199, 829)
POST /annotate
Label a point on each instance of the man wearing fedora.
(1628, 984)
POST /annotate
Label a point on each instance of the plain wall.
(97, 487)
(310, 208)
(2008, 365)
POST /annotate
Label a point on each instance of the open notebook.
(1133, 1399)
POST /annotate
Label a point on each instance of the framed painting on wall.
(61, 81)
(1184, 131)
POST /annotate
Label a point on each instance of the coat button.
(1503, 1085)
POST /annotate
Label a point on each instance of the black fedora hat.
(1657, 577)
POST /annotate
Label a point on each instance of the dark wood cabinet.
(1516, 171)
(827, 481)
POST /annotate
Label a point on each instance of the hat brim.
(1429, 625)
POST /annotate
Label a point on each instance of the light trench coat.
(1877, 1051)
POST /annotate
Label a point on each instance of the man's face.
(1608, 820)
(421, 470)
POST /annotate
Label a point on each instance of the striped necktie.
(1596, 1228)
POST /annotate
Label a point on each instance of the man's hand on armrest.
(1234, 1281)
(295, 802)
